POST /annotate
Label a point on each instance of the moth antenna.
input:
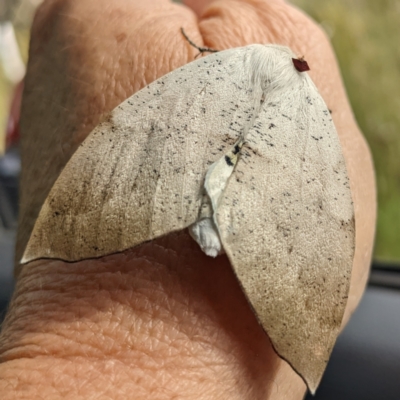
(200, 49)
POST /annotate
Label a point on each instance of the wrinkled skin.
(160, 321)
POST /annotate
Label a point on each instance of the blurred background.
(365, 34)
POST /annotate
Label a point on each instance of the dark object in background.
(10, 167)
(7, 239)
(9, 172)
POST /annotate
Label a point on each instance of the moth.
(240, 148)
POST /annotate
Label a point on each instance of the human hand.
(161, 320)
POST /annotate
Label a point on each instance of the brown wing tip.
(28, 255)
(312, 386)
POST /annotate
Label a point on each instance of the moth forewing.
(286, 222)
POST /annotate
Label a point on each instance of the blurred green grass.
(366, 36)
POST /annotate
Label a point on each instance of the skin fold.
(160, 321)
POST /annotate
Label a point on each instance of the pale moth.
(240, 147)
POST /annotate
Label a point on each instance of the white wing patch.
(205, 230)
